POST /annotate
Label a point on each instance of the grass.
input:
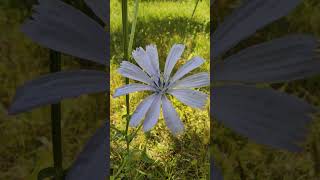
(158, 154)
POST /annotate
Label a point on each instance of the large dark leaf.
(63, 28)
(100, 8)
(246, 20)
(289, 58)
(264, 115)
(92, 161)
(52, 88)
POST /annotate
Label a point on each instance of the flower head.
(161, 85)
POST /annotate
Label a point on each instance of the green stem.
(55, 66)
(134, 24)
(126, 57)
(194, 9)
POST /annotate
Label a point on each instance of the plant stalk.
(55, 66)
(125, 36)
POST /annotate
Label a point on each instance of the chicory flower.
(161, 85)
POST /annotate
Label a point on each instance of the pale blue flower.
(161, 85)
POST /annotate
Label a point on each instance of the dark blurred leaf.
(246, 20)
(92, 161)
(264, 115)
(61, 27)
(100, 8)
(52, 88)
(285, 59)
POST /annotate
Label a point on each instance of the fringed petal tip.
(139, 51)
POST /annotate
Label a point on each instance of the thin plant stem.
(126, 57)
(55, 66)
(195, 8)
(134, 24)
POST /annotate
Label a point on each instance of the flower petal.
(285, 59)
(60, 27)
(193, 81)
(132, 71)
(215, 173)
(195, 99)
(264, 115)
(92, 162)
(153, 114)
(130, 88)
(173, 56)
(143, 60)
(152, 52)
(171, 117)
(246, 20)
(141, 110)
(100, 8)
(52, 88)
(187, 67)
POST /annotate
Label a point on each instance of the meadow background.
(25, 139)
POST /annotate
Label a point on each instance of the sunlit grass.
(158, 154)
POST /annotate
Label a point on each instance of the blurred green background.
(25, 139)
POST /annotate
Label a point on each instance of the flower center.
(161, 85)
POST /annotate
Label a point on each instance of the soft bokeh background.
(240, 158)
(158, 154)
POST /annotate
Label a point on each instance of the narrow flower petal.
(92, 163)
(130, 88)
(143, 60)
(284, 59)
(100, 8)
(132, 71)
(52, 88)
(264, 115)
(154, 57)
(153, 114)
(215, 173)
(173, 56)
(195, 99)
(246, 20)
(193, 81)
(59, 26)
(141, 110)
(171, 117)
(187, 67)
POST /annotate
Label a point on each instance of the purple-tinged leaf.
(92, 161)
(264, 115)
(100, 8)
(52, 88)
(246, 20)
(61, 27)
(284, 59)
